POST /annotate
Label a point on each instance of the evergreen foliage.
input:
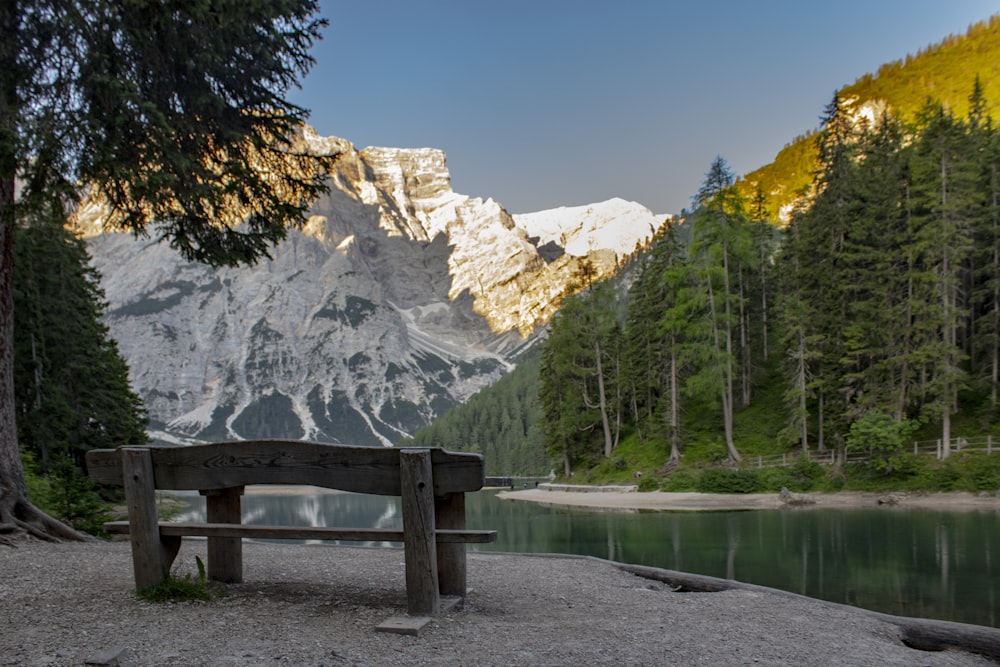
(71, 385)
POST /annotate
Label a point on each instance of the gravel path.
(316, 605)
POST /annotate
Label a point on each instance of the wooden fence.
(983, 443)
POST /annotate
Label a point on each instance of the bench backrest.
(345, 467)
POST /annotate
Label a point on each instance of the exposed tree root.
(21, 520)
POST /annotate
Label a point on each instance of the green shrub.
(808, 470)
(680, 480)
(948, 476)
(982, 472)
(66, 494)
(647, 484)
(882, 437)
(729, 480)
(773, 479)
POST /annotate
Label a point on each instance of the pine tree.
(657, 318)
(720, 239)
(985, 296)
(71, 385)
(820, 241)
(580, 376)
(876, 343)
(944, 195)
(764, 236)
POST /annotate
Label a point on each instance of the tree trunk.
(675, 409)
(803, 404)
(602, 402)
(726, 389)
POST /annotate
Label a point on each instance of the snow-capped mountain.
(398, 299)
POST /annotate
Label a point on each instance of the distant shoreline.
(628, 501)
(701, 502)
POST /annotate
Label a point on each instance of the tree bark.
(602, 402)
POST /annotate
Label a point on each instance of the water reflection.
(908, 562)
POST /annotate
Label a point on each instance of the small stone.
(116, 657)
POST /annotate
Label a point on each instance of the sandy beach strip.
(720, 502)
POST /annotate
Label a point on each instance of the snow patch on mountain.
(615, 225)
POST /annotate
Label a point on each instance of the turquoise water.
(909, 562)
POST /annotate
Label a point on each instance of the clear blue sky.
(548, 103)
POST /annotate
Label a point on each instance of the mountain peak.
(396, 300)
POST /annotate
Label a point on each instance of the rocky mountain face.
(397, 300)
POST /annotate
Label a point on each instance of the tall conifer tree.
(719, 237)
(945, 192)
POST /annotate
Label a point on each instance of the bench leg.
(450, 513)
(417, 490)
(225, 554)
(150, 557)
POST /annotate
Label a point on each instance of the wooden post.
(225, 554)
(423, 596)
(149, 560)
(449, 512)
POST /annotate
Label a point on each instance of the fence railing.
(983, 443)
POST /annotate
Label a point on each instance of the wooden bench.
(431, 482)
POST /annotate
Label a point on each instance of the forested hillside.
(878, 304)
(945, 72)
(503, 422)
(870, 318)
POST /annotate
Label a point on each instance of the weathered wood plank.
(345, 467)
(423, 596)
(449, 513)
(149, 559)
(225, 554)
(304, 532)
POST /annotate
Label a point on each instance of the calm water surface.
(909, 562)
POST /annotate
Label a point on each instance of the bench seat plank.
(304, 532)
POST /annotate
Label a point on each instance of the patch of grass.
(647, 484)
(187, 588)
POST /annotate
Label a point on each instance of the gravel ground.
(68, 604)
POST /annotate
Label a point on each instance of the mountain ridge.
(397, 299)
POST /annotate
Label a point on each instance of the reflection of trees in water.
(914, 563)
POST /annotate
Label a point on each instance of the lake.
(908, 562)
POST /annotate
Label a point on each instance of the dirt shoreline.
(694, 502)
